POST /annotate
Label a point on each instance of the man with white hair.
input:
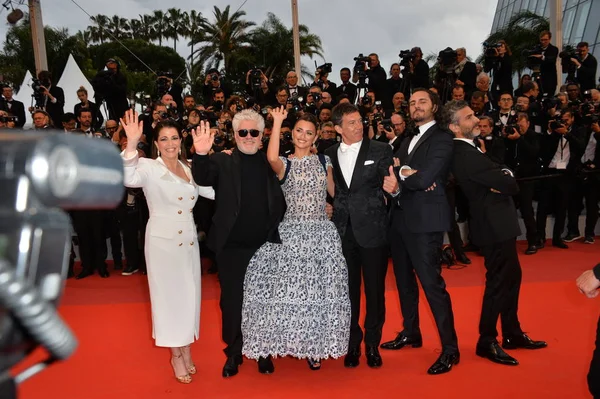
(249, 207)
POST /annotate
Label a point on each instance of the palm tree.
(98, 30)
(146, 29)
(521, 33)
(119, 27)
(176, 20)
(224, 40)
(273, 43)
(160, 25)
(193, 22)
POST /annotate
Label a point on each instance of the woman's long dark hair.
(169, 124)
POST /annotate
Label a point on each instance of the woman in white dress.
(172, 251)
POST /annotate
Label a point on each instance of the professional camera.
(324, 69)
(359, 69)
(387, 125)
(287, 137)
(255, 78)
(38, 91)
(556, 123)
(447, 60)
(296, 102)
(406, 57)
(377, 117)
(568, 54)
(6, 119)
(378, 106)
(162, 83)
(214, 77)
(548, 103)
(490, 50)
(317, 97)
(533, 63)
(365, 101)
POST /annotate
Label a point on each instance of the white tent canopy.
(24, 96)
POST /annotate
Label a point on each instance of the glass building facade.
(581, 19)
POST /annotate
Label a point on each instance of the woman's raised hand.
(279, 114)
(132, 126)
(203, 138)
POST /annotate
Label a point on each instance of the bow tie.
(352, 147)
(293, 88)
(501, 114)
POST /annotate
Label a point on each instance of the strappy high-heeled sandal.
(186, 350)
(313, 364)
(184, 379)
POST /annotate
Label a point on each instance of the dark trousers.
(113, 232)
(232, 265)
(525, 202)
(89, 226)
(129, 218)
(593, 377)
(420, 253)
(454, 237)
(501, 295)
(372, 262)
(553, 190)
(590, 190)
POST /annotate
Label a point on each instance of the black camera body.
(255, 78)
(548, 103)
(556, 123)
(296, 102)
(490, 50)
(387, 124)
(324, 69)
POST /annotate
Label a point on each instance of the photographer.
(52, 98)
(490, 144)
(10, 105)
(505, 115)
(110, 85)
(346, 87)
(376, 75)
(7, 121)
(561, 151)
(159, 114)
(189, 103)
(212, 83)
(327, 137)
(166, 85)
(395, 84)
(259, 87)
(418, 70)
(586, 65)
(498, 60)
(322, 79)
(522, 149)
(548, 66)
(97, 118)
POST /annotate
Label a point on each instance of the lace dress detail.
(296, 299)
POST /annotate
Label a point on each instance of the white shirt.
(413, 143)
(391, 142)
(561, 157)
(347, 155)
(590, 149)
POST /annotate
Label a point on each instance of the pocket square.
(369, 162)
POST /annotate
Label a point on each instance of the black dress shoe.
(352, 359)
(541, 244)
(522, 341)
(373, 357)
(231, 366)
(495, 353)
(103, 273)
(462, 258)
(559, 244)
(265, 365)
(84, 274)
(531, 249)
(444, 363)
(403, 340)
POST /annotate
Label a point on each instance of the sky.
(346, 28)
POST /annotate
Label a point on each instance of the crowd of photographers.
(548, 140)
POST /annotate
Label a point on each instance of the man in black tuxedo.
(291, 83)
(53, 99)
(586, 65)
(466, 71)
(16, 108)
(548, 66)
(420, 216)
(346, 87)
(495, 227)
(249, 207)
(110, 85)
(360, 215)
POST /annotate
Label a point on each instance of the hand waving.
(133, 128)
(279, 115)
(203, 138)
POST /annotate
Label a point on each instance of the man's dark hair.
(346, 69)
(340, 110)
(546, 32)
(528, 86)
(569, 111)
(188, 96)
(326, 106)
(523, 115)
(283, 88)
(43, 75)
(478, 95)
(218, 91)
(68, 117)
(435, 102)
(82, 110)
(583, 44)
(504, 92)
(341, 97)
(455, 87)
(156, 105)
(450, 110)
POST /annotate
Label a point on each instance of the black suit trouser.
(129, 218)
(590, 190)
(89, 226)
(454, 237)
(501, 295)
(372, 262)
(232, 264)
(525, 200)
(420, 253)
(554, 189)
(593, 377)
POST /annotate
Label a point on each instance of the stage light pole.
(296, 36)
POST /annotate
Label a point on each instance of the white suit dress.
(172, 251)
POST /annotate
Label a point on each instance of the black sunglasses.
(244, 132)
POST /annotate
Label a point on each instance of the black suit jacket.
(522, 154)
(549, 145)
(493, 216)
(302, 92)
(17, 108)
(425, 211)
(223, 172)
(350, 90)
(469, 76)
(586, 74)
(56, 110)
(548, 70)
(362, 203)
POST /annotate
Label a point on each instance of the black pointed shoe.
(444, 363)
(522, 342)
(403, 340)
(373, 357)
(231, 366)
(265, 365)
(352, 358)
(495, 353)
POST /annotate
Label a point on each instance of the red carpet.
(117, 359)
